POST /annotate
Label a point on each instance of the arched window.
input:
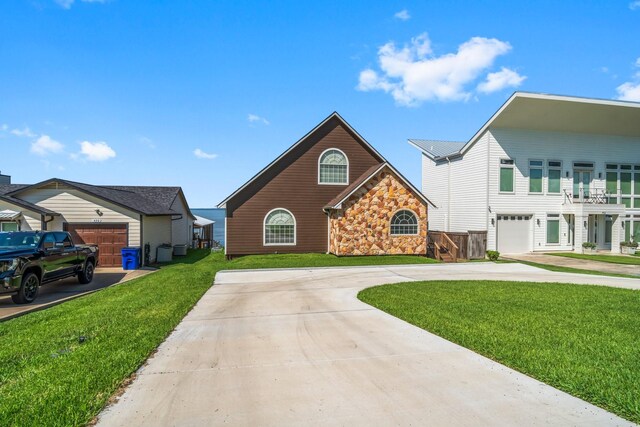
(333, 167)
(279, 228)
(404, 222)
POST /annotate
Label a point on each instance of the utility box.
(164, 254)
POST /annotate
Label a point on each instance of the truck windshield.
(19, 239)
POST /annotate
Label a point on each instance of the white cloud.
(44, 145)
(95, 151)
(4, 127)
(500, 80)
(26, 132)
(66, 4)
(403, 15)
(634, 5)
(630, 91)
(202, 155)
(413, 74)
(253, 118)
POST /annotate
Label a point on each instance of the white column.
(581, 232)
(616, 233)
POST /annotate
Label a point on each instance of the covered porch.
(600, 224)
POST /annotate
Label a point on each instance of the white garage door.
(514, 234)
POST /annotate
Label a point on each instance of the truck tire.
(86, 275)
(28, 289)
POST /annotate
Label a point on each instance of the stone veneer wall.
(362, 227)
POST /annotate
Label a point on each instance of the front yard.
(582, 339)
(61, 365)
(615, 259)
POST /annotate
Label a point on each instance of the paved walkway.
(583, 264)
(56, 292)
(296, 347)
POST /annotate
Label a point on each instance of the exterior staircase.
(444, 249)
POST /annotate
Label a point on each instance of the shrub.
(493, 255)
(589, 245)
(629, 244)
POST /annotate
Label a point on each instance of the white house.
(544, 173)
(113, 217)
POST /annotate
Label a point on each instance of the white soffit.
(570, 114)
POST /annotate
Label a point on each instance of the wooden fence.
(471, 245)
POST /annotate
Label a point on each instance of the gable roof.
(333, 115)
(6, 189)
(556, 113)
(336, 202)
(150, 201)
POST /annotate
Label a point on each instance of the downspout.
(328, 213)
(44, 221)
(179, 217)
(142, 255)
(448, 194)
(488, 176)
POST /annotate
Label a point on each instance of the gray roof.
(438, 148)
(142, 199)
(5, 189)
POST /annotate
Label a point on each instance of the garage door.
(110, 238)
(514, 234)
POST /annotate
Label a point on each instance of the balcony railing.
(592, 196)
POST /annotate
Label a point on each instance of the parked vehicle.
(29, 259)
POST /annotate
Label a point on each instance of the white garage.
(514, 233)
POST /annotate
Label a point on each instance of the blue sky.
(204, 94)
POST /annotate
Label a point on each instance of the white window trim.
(9, 222)
(513, 167)
(541, 192)
(555, 168)
(345, 157)
(264, 229)
(410, 234)
(552, 217)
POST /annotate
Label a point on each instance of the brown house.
(329, 192)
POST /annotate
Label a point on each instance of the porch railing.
(593, 197)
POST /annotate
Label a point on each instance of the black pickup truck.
(31, 258)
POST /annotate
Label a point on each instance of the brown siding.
(292, 184)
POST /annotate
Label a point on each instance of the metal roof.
(437, 148)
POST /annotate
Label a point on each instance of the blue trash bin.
(130, 258)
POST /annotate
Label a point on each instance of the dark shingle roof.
(8, 188)
(142, 199)
(147, 203)
(438, 148)
(354, 185)
(366, 177)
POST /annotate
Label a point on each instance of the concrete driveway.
(56, 292)
(296, 347)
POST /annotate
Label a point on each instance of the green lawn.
(60, 366)
(584, 340)
(322, 260)
(562, 269)
(614, 259)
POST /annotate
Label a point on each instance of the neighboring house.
(544, 173)
(329, 192)
(217, 216)
(112, 217)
